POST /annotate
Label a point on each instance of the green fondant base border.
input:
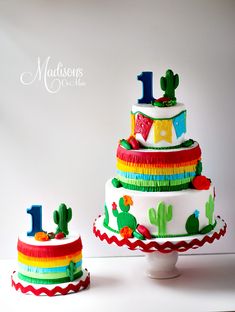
(109, 228)
(164, 188)
(163, 147)
(48, 281)
(162, 236)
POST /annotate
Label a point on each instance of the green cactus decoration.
(169, 84)
(71, 270)
(61, 217)
(124, 218)
(160, 217)
(210, 209)
(106, 215)
(192, 223)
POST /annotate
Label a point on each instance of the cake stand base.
(162, 265)
(161, 253)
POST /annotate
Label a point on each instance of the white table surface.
(207, 283)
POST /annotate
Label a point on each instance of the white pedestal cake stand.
(161, 253)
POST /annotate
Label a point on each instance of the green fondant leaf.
(199, 168)
(125, 144)
(188, 143)
(206, 229)
(138, 235)
(116, 183)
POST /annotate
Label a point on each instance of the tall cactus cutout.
(169, 83)
(71, 269)
(210, 209)
(61, 217)
(160, 217)
(106, 215)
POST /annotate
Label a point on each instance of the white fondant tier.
(30, 240)
(184, 204)
(175, 115)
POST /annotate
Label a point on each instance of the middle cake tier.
(153, 171)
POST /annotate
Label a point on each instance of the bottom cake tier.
(49, 262)
(158, 214)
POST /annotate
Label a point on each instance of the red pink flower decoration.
(126, 232)
(114, 206)
(127, 200)
(201, 183)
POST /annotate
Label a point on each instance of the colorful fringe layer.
(152, 171)
(47, 264)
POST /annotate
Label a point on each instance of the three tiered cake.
(159, 189)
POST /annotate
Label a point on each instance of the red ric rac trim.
(51, 292)
(167, 157)
(49, 251)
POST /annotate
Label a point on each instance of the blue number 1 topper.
(147, 80)
(36, 213)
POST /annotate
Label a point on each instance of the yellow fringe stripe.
(158, 165)
(157, 171)
(49, 262)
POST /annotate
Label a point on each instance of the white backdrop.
(61, 147)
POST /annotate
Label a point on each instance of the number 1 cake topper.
(168, 84)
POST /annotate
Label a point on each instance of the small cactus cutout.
(124, 218)
(169, 83)
(210, 209)
(192, 223)
(61, 217)
(160, 216)
(71, 270)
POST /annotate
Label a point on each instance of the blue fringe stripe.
(29, 268)
(141, 176)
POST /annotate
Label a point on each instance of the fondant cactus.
(71, 270)
(169, 83)
(106, 215)
(61, 217)
(124, 218)
(210, 209)
(192, 223)
(160, 217)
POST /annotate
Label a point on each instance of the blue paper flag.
(179, 123)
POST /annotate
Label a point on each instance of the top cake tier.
(158, 127)
(159, 122)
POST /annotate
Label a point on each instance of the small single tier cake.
(50, 263)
